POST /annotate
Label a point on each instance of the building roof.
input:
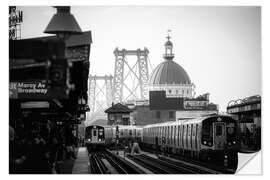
(246, 101)
(118, 108)
(74, 40)
(169, 72)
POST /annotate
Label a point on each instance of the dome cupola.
(168, 49)
(170, 76)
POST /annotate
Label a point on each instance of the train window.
(100, 132)
(130, 132)
(183, 134)
(230, 130)
(163, 131)
(194, 130)
(219, 130)
(94, 133)
(207, 130)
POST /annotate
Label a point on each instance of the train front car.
(219, 142)
(94, 137)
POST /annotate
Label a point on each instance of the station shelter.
(248, 113)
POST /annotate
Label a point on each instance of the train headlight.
(99, 139)
(204, 142)
(229, 143)
(89, 140)
(233, 142)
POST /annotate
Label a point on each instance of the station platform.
(81, 164)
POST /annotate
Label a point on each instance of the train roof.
(128, 126)
(187, 121)
(98, 125)
(120, 126)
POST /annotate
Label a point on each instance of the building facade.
(118, 114)
(247, 112)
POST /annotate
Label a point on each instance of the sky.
(219, 47)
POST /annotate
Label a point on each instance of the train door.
(94, 134)
(193, 139)
(180, 136)
(219, 135)
(185, 137)
(189, 136)
(175, 136)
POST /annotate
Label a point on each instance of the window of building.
(158, 114)
(170, 91)
(176, 91)
(170, 114)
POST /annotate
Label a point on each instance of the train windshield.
(100, 132)
(207, 133)
(219, 130)
(88, 132)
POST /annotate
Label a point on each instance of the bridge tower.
(130, 79)
(100, 96)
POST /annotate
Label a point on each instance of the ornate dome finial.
(168, 48)
(168, 36)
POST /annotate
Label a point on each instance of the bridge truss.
(130, 78)
(100, 96)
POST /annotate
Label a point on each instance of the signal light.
(58, 73)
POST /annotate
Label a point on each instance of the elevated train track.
(97, 165)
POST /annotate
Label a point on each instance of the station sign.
(198, 105)
(27, 89)
(33, 90)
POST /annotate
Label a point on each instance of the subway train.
(94, 137)
(210, 138)
(97, 136)
(125, 133)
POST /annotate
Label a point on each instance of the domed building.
(170, 76)
(171, 95)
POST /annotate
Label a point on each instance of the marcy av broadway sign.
(18, 90)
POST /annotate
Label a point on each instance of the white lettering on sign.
(28, 88)
(195, 104)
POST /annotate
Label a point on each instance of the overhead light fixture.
(63, 23)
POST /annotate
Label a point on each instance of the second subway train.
(212, 137)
